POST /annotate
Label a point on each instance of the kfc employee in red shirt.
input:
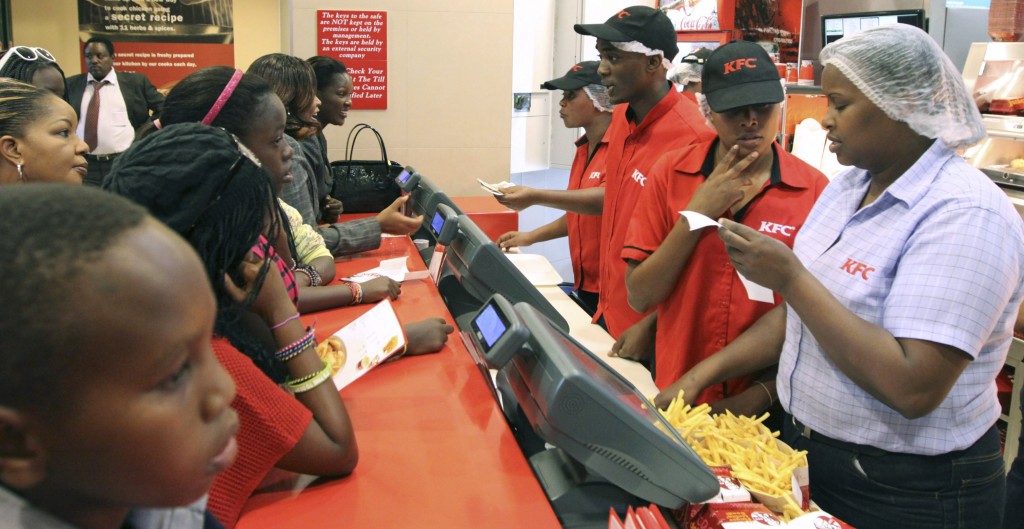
(741, 174)
(584, 104)
(636, 46)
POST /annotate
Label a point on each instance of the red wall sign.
(360, 40)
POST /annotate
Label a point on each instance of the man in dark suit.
(108, 122)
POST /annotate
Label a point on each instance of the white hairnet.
(598, 95)
(687, 72)
(634, 46)
(905, 73)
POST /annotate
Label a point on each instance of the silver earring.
(21, 176)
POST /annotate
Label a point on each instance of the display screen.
(490, 326)
(403, 177)
(835, 27)
(437, 223)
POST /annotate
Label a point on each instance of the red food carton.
(734, 516)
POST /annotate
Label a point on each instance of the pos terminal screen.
(490, 325)
(437, 223)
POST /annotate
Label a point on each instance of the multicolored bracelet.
(296, 347)
(310, 381)
(314, 277)
(357, 293)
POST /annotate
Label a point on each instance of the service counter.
(435, 449)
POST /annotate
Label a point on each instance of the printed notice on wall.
(163, 39)
(358, 39)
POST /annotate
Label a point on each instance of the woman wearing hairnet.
(901, 292)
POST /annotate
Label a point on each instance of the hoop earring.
(21, 175)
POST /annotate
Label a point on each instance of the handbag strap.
(353, 135)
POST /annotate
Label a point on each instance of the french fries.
(760, 461)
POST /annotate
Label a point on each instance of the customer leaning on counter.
(901, 293)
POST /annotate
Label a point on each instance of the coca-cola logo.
(765, 518)
(826, 522)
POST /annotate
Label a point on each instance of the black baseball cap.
(580, 75)
(740, 74)
(644, 24)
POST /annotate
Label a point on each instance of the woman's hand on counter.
(379, 288)
(427, 336)
(394, 222)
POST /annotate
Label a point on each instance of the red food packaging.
(818, 520)
(734, 516)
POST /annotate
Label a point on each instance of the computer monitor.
(578, 404)
(475, 269)
(835, 27)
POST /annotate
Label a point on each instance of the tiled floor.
(556, 251)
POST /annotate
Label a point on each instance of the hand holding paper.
(755, 291)
(759, 257)
(494, 189)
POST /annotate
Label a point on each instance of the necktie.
(92, 115)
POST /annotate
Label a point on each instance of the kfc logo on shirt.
(855, 268)
(639, 177)
(771, 227)
(596, 175)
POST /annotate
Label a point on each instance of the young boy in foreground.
(111, 400)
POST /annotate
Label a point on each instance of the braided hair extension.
(22, 70)
(192, 97)
(202, 183)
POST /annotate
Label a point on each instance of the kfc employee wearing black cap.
(636, 46)
(742, 175)
(584, 103)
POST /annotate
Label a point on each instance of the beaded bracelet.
(296, 347)
(311, 380)
(314, 277)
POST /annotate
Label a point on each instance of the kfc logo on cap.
(738, 64)
(622, 14)
(826, 522)
(576, 68)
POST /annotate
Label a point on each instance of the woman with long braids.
(221, 200)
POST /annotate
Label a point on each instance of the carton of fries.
(774, 473)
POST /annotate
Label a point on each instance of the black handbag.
(365, 186)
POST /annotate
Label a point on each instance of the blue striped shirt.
(939, 256)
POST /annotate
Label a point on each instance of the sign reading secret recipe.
(358, 39)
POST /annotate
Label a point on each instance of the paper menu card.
(755, 292)
(368, 340)
(395, 268)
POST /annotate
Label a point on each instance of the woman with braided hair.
(36, 67)
(253, 112)
(221, 200)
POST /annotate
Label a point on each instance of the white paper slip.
(536, 268)
(395, 268)
(755, 292)
(365, 343)
(699, 221)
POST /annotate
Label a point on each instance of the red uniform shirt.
(709, 307)
(271, 422)
(673, 123)
(585, 230)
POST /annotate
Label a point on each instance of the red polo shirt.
(709, 307)
(585, 230)
(673, 123)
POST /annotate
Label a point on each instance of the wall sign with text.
(360, 40)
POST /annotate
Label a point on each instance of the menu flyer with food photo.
(363, 344)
